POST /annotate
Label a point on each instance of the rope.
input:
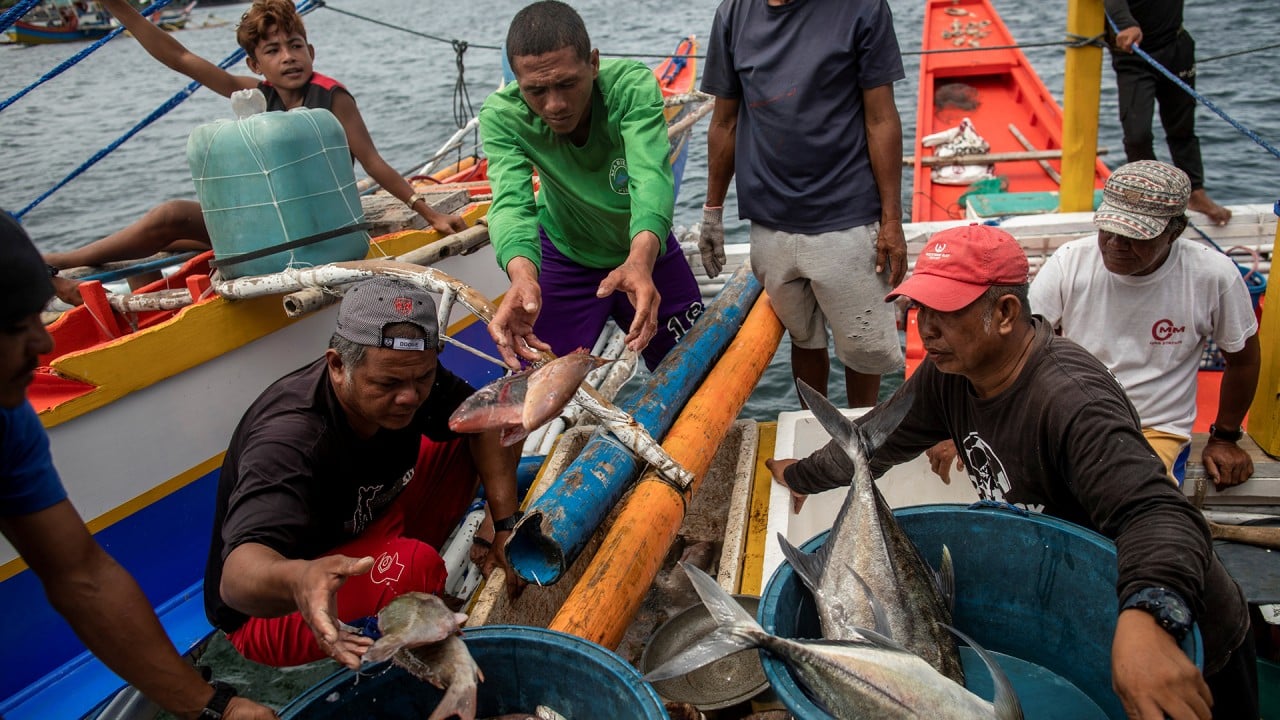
(304, 7)
(15, 13)
(1238, 52)
(462, 110)
(69, 62)
(418, 33)
(1202, 99)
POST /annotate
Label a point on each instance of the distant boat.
(58, 21)
(173, 18)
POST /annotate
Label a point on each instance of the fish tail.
(737, 629)
(807, 565)
(459, 700)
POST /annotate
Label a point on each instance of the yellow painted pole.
(1080, 102)
(1264, 414)
(606, 598)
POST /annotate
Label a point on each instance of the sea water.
(404, 86)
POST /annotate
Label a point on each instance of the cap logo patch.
(404, 306)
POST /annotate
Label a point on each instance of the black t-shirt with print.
(1064, 440)
(297, 478)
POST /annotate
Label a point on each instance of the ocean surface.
(404, 84)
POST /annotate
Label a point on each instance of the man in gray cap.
(340, 482)
(1144, 302)
(98, 597)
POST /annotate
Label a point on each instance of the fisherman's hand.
(1226, 463)
(316, 599)
(245, 709)
(635, 278)
(891, 251)
(940, 458)
(1151, 674)
(711, 240)
(446, 224)
(512, 325)
(779, 470)
(497, 558)
(1127, 38)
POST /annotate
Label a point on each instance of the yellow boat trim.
(195, 335)
(752, 580)
(115, 515)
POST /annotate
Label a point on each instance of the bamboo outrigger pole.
(606, 598)
(1080, 101)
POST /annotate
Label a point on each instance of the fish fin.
(946, 577)
(839, 427)
(459, 701)
(807, 565)
(383, 649)
(1006, 700)
(877, 610)
(512, 435)
(737, 629)
(880, 425)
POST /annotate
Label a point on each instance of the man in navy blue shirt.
(805, 116)
(84, 584)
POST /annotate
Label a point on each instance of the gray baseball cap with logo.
(370, 306)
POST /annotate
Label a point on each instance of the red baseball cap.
(959, 264)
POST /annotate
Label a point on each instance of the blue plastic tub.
(523, 667)
(1036, 591)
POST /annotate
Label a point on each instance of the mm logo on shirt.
(618, 176)
(1164, 332)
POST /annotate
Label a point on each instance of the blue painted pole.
(558, 525)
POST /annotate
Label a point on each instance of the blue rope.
(304, 7)
(15, 13)
(1204, 100)
(66, 64)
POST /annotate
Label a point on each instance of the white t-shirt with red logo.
(1149, 330)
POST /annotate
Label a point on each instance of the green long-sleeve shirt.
(594, 198)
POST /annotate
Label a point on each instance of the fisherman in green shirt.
(596, 240)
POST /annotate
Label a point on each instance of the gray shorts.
(830, 279)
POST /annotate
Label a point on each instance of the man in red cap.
(1043, 425)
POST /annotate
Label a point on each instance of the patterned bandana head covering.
(1141, 198)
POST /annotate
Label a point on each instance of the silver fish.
(867, 540)
(411, 620)
(871, 676)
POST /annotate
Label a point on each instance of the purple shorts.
(572, 316)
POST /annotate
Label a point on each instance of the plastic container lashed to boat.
(523, 667)
(277, 180)
(1037, 592)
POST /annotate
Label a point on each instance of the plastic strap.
(291, 245)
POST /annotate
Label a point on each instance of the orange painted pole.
(607, 597)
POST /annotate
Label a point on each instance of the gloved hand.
(711, 240)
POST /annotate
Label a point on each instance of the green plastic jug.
(277, 180)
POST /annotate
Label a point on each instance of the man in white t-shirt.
(1144, 302)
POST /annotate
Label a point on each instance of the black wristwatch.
(1218, 433)
(1166, 606)
(217, 705)
(507, 524)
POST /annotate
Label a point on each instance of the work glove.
(711, 240)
